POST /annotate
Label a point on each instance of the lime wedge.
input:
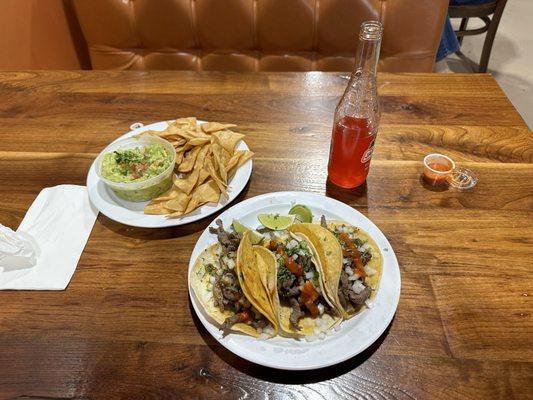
(240, 228)
(276, 222)
(302, 213)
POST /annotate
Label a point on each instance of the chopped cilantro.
(283, 272)
(210, 269)
(358, 242)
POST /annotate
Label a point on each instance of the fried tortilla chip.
(228, 139)
(178, 203)
(200, 159)
(156, 208)
(188, 160)
(169, 194)
(204, 174)
(216, 150)
(186, 121)
(214, 176)
(197, 141)
(206, 193)
(187, 184)
(210, 127)
(241, 157)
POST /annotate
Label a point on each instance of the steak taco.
(294, 280)
(351, 261)
(227, 283)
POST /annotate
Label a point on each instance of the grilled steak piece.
(228, 240)
(346, 291)
(296, 313)
(360, 298)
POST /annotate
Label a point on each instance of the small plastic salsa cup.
(437, 168)
(139, 190)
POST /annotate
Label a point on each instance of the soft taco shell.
(307, 324)
(266, 266)
(376, 262)
(199, 282)
(251, 283)
(330, 255)
(328, 252)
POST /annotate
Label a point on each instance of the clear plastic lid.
(462, 179)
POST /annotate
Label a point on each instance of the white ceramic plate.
(131, 213)
(353, 336)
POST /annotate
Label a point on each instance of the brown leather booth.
(257, 35)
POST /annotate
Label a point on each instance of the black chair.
(481, 11)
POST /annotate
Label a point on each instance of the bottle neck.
(367, 56)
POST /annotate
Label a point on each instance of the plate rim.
(176, 221)
(318, 365)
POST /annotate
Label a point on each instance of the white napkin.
(59, 221)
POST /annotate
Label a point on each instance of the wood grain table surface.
(124, 327)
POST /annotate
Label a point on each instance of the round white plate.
(353, 336)
(131, 213)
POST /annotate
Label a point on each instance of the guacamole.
(136, 165)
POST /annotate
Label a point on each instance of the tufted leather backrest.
(257, 35)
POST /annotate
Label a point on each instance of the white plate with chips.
(352, 336)
(131, 213)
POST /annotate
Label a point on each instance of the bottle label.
(367, 155)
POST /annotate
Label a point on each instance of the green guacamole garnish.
(135, 164)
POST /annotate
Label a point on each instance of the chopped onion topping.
(309, 275)
(292, 243)
(349, 271)
(230, 263)
(358, 287)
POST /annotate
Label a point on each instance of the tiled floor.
(511, 61)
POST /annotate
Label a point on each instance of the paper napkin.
(58, 224)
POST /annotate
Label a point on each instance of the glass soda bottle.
(357, 115)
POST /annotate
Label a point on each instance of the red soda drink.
(357, 115)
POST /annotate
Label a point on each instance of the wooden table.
(124, 327)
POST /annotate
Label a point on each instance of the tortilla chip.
(216, 150)
(178, 203)
(179, 157)
(200, 159)
(204, 174)
(169, 194)
(198, 141)
(214, 176)
(156, 208)
(206, 193)
(210, 127)
(228, 139)
(187, 184)
(244, 155)
(178, 142)
(188, 160)
(185, 121)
